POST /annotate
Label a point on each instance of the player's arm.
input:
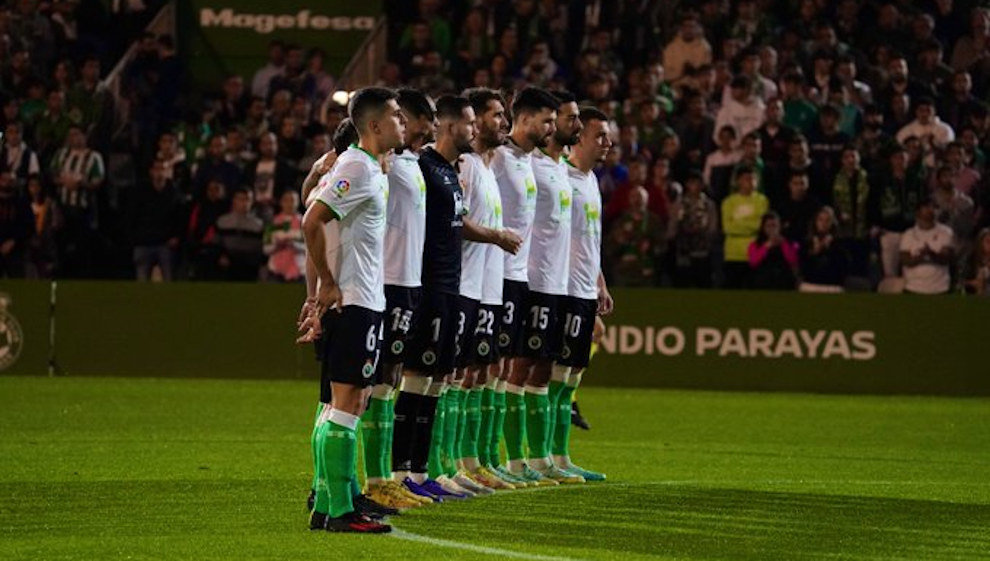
(505, 239)
(605, 302)
(320, 168)
(315, 220)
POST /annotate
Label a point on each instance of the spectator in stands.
(976, 274)
(973, 46)
(928, 128)
(18, 74)
(964, 178)
(873, 142)
(412, 52)
(155, 225)
(927, 252)
(92, 102)
(46, 220)
(688, 51)
(268, 177)
(799, 113)
(239, 233)
(53, 125)
(954, 209)
(636, 243)
(797, 210)
(773, 259)
(284, 241)
(77, 173)
(214, 165)
(319, 83)
(895, 193)
(850, 196)
(293, 75)
(741, 109)
(474, 45)
(720, 163)
(201, 233)
(620, 201)
(233, 103)
(291, 143)
(824, 263)
(826, 143)
(15, 227)
(741, 217)
(930, 69)
(173, 162)
(696, 129)
(775, 143)
(959, 103)
(696, 219)
(275, 66)
(750, 157)
(16, 157)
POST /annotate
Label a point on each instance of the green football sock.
(435, 460)
(389, 432)
(498, 424)
(562, 428)
(472, 424)
(537, 417)
(450, 430)
(322, 503)
(553, 393)
(461, 421)
(515, 425)
(315, 446)
(339, 455)
(373, 436)
(485, 429)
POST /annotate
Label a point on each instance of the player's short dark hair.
(345, 135)
(415, 103)
(588, 114)
(367, 102)
(452, 106)
(531, 100)
(564, 96)
(481, 97)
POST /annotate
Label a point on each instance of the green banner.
(222, 37)
(795, 342)
(750, 341)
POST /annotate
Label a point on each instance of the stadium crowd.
(758, 143)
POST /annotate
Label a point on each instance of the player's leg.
(353, 358)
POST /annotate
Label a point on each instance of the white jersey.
(356, 191)
(517, 186)
(406, 230)
(550, 246)
(484, 207)
(586, 234)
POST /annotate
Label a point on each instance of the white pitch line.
(409, 536)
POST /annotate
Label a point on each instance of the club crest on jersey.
(429, 358)
(565, 352)
(565, 201)
(341, 187)
(483, 348)
(530, 188)
(535, 342)
(368, 369)
(503, 339)
(397, 347)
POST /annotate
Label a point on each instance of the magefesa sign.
(268, 23)
(715, 342)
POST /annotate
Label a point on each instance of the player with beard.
(429, 362)
(534, 113)
(404, 234)
(587, 293)
(351, 284)
(548, 269)
(480, 300)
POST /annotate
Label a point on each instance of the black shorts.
(433, 334)
(467, 313)
(544, 333)
(352, 346)
(579, 326)
(400, 304)
(486, 350)
(512, 319)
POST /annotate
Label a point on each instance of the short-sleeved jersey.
(483, 205)
(929, 277)
(550, 245)
(406, 217)
(356, 191)
(517, 186)
(586, 234)
(444, 223)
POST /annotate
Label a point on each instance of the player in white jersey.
(534, 114)
(548, 269)
(355, 194)
(587, 293)
(480, 298)
(404, 235)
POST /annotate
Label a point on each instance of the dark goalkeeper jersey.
(444, 222)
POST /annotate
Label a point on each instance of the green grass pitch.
(204, 469)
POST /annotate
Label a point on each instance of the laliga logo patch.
(483, 348)
(368, 369)
(429, 358)
(341, 187)
(503, 339)
(397, 347)
(535, 342)
(11, 335)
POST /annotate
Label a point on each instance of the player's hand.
(605, 302)
(509, 241)
(327, 296)
(324, 163)
(306, 310)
